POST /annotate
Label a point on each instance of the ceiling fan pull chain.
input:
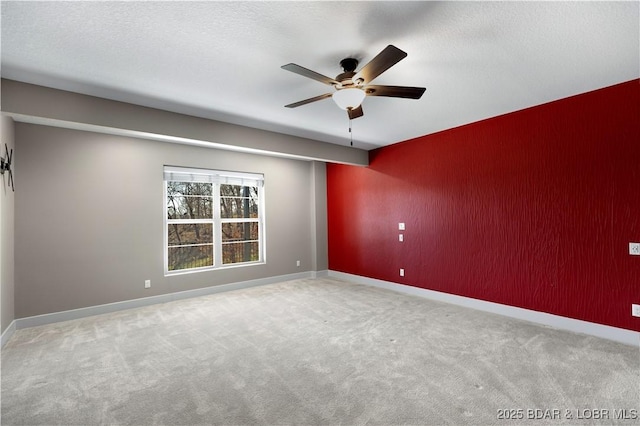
(350, 131)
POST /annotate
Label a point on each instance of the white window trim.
(216, 177)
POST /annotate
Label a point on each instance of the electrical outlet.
(635, 310)
(297, 263)
(634, 249)
(147, 283)
(401, 272)
(400, 237)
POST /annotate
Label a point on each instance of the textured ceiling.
(221, 60)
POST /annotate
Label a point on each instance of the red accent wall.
(533, 209)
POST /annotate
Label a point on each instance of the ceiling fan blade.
(395, 91)
(355, 112)
(310, 74)
(308, 101)
(389, 56)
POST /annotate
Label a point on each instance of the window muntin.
(212, 219)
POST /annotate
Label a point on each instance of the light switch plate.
(635, 310)
(401, 226)
(634, 249)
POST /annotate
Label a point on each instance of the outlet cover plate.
(634, 249)
(635, 310)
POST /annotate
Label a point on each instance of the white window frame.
(216, 178)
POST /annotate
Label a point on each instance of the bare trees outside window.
(190, 227)
(239, 213)
(213, 223)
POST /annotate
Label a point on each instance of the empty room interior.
(239, 213)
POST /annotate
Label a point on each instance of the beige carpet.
(317, 351)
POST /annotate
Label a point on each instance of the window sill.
(213, 268)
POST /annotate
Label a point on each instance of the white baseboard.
(320, 274)
(54, 317)
(6, 334)
(621, 335)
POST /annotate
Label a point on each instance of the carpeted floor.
(311, 352)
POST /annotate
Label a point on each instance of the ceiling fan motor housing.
(345, 80)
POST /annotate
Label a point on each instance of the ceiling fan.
(352, 87)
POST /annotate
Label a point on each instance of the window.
(213, 219)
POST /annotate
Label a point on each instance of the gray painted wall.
(320, 247)
(41, 105)
(89, 217)
(6, 231)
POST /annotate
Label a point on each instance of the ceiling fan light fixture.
(349, 98)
